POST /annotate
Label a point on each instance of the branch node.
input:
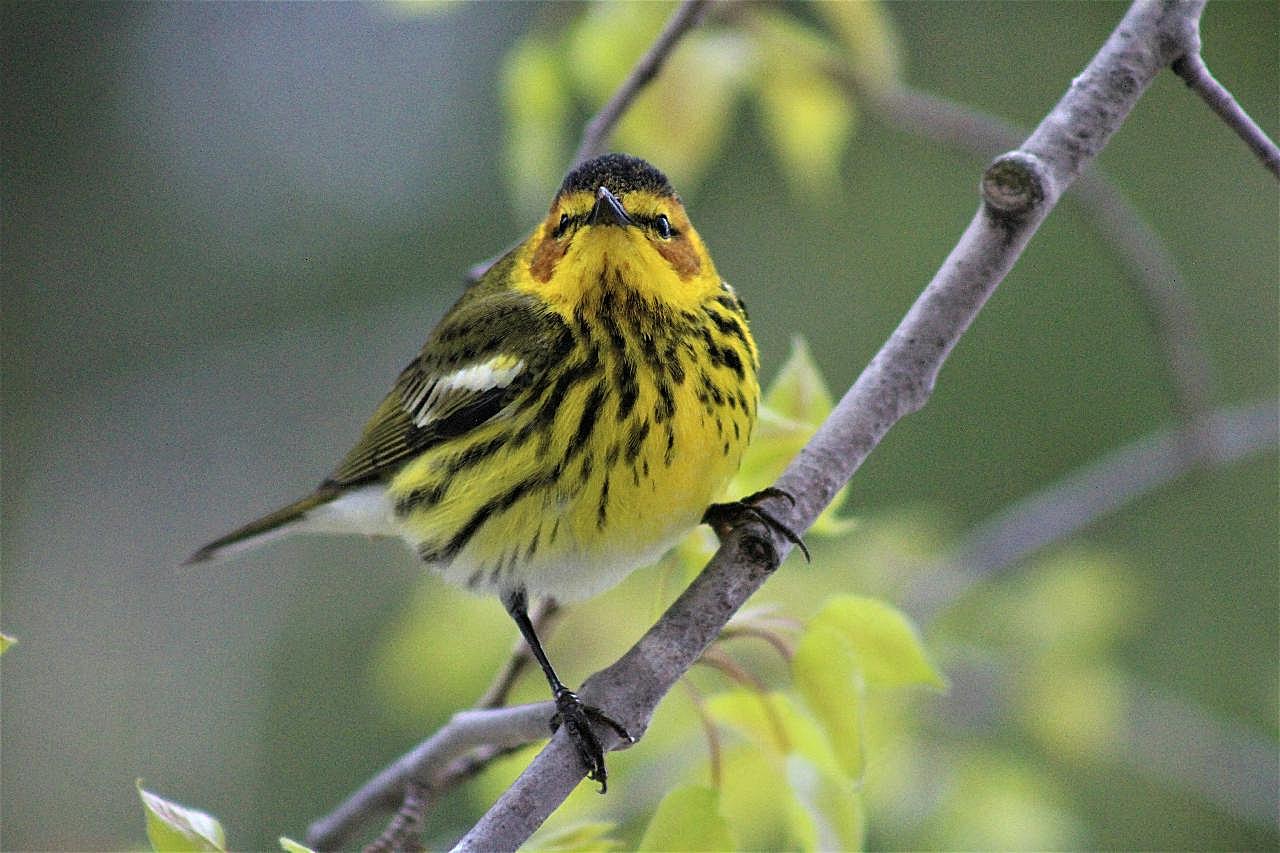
(1015, 185)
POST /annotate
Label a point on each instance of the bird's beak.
(608, 210)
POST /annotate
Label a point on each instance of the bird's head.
(616, 222)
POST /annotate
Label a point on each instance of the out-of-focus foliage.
(5, 643)
(586, 837)
(682, 119)
(795, 404)
(688, 818)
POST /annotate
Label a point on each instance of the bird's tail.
(264, 529)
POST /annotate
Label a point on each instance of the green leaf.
(680, 119)
(171, 827)
(535, 96)
(5, 642)
(682, 124)
(584, 837)
(1076, 708)
(626, 28)
(994, 801)
(773, 723)
(1078, 600)
(867, 31)
(688, 818)
(829, 811)
(288, 845)
(796, 402)
(809, 121)
(826, 674)
(888, 648)
(798, 392)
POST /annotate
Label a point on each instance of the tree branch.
(1191, 68)
(1100, 488)
(1019, 189)
(494, 728)
(1149, 266)
(601, 126)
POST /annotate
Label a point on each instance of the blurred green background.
(225, 229)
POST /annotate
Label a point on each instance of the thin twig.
(1175, 741)
(1191, 68)
(401, 833)
(718, 659)
(715, 748)
(601, 125)
(1019, 191)
(781, 644)
(1086, 494)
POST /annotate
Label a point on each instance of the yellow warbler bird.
(570, 418)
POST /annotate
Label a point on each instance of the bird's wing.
(482, 355)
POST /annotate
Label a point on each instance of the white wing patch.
(429, 401)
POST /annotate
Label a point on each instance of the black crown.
(619, 173)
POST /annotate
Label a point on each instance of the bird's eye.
(563, 226)
(663, 226)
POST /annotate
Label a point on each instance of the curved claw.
(576, 719)
(723, 517)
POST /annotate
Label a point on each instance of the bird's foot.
(576, 718)
(724, 517)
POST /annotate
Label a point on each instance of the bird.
(580, 408)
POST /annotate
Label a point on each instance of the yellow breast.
(605, 464)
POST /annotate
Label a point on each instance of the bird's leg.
(724, 517)
(570, 710)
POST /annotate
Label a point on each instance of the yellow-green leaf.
(773, 723)
(606, 40)
(535, 95)
(688, 818)
(798, 392)
(680, 123)
(829, 814)
(1034, 811)
(887, 646)
(826, 674)
(795, 404)
(865, 28)
(5, 642)
(808, 120)
(584, 837)
(288, 845)
(679, 120)
(1075, 707)
(172, 827)
(1079, 600)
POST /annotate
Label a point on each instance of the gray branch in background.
(1019, 189)
(1086, 494)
